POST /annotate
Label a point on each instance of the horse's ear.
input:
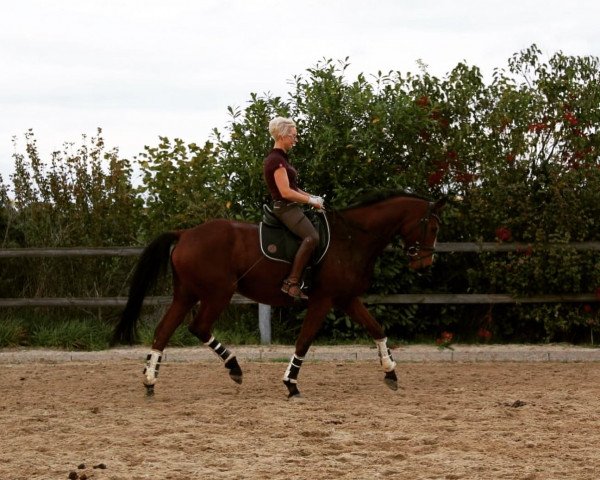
(439, 204)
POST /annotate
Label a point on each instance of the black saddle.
(280, 244)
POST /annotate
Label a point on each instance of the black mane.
(379, 196)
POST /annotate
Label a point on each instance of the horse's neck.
(383, 219)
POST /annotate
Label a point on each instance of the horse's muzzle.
(420, 262)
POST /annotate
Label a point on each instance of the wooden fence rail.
(410, 298)
(264, 311)
(429, 298)
(441, 247)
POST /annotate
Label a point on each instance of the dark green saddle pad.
(278, 243)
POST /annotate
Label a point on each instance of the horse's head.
(421, 234)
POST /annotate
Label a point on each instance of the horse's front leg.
(358, 312)
(317, 309)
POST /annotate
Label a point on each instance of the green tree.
(182, 186)
(82, 197)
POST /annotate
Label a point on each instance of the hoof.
(298, 398)
(292, 389)
(391, 380)
(149, 390)
(235, 371)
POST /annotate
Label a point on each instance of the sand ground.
(524, 419)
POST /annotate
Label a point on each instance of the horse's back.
(217, 245)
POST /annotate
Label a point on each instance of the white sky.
(144, 68)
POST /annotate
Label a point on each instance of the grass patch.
(51, 332)
(85, 334)
(12, 333)
(68, 330)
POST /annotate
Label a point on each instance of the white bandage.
(385, 356)
(152, 366)
(291, 373)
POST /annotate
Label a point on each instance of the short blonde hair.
(280, 127)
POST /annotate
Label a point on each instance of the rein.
(353, 225)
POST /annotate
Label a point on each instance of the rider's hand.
(316, 202)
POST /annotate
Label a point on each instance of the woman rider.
(281, 178)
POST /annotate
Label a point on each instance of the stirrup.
(292, 288)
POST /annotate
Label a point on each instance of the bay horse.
(212, 261)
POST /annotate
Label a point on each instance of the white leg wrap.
(152, 366)
(291, 373)
(385, 356)
(219, 350)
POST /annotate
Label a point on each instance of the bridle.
(413, 252)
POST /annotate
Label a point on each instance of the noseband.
(414, 251)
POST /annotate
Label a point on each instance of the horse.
(214, 260)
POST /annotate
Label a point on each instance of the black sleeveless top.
(277, 158)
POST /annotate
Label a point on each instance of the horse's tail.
(151, 265)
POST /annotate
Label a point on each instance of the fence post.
(264, 323)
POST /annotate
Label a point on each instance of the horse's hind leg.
(359, 313)
(163, 332)
(201, 327)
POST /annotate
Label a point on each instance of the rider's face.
(291, 138)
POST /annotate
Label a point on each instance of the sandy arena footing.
(412, 353)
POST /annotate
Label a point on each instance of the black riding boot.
(291, 285)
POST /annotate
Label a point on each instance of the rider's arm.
(283, 185)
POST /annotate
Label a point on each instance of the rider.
(281, 179)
